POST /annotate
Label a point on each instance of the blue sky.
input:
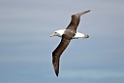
(25, 45)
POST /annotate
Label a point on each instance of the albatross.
(66, 36)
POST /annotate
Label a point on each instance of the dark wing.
(75, 20)
(57, 53)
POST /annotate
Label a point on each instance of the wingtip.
(82, 13)
(55, 62)
(88, 10)
(57, 74)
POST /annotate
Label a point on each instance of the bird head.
(58, 33)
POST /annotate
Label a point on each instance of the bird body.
(77, 35)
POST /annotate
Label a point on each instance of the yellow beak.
(52, 35)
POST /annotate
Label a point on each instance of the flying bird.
(66, 36)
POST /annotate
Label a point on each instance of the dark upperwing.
(57, 53)
(75, 19)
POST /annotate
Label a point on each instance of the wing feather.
(75, 19)
(58, 52)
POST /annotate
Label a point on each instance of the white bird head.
(58, 33)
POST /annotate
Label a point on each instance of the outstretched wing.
(57, 53)
(75, 20)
